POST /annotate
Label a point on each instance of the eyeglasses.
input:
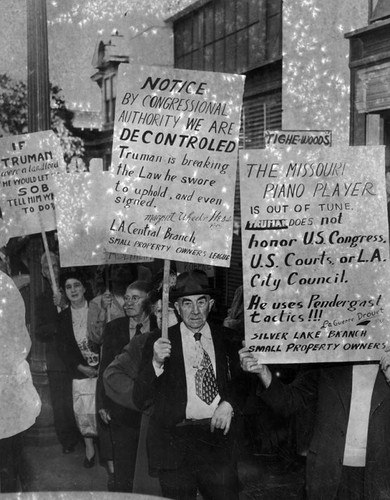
(133, 298)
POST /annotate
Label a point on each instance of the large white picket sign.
(315, 253)
(80, 201)
(26, 164)
(175, 154)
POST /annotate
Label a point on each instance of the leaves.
(14, 115)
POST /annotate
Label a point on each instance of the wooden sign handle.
(165, 299)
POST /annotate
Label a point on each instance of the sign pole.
(165, 299)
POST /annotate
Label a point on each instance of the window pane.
(209, 58)
(242, 14)
(230, 17)
(179, 36)
(209, 24)
(107, 87)
(113, 86)
(219, 62)
(113, 109)
(230, 56)
(253, 10)
(261, 112)
(219, 20)
(256, 50)
(242, 51)
(187, 36)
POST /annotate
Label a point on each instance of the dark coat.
(46, 331)
(116, 337)
(169, 391)
(332, 387)
(67, 346)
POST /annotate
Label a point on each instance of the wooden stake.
(165, 299)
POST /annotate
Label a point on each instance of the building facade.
(229, 36)
(241, 37)
(370, 80)
(313, 66)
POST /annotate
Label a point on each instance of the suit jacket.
(46, 331)
(116, 337)
(331, 387)
(96, 327)
(121, 373)
(169, 391)
(67, 345)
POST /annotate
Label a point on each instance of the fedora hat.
(189, 283)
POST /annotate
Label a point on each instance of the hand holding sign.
(249, 363)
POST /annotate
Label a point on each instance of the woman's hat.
(193, 282)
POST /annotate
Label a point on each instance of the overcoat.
(67, 346)
(330, 388)
(169, 393)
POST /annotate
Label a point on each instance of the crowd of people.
(169, 410)
(147, 436)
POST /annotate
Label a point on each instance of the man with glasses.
(124, 423)
(190, 377)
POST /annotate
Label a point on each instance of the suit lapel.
(380, 393)
(177, 357)
(341, 382)
(220, 359)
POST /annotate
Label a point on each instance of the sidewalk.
(48, 469)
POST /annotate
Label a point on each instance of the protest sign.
(4, 233)
(26, 164)
(82, 219)
(174, 156)
(315, 253)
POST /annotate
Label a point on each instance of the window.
(234, 36)
(109, 97)
(379, 9)
(260, 113)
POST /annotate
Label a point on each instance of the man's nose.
(195, 308)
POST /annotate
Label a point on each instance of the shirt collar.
(145, 323)
(205, 330)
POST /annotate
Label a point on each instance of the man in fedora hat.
(190, 378)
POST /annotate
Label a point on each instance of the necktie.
(205, 382)
(138, 329)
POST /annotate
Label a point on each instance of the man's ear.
(211, 303)
(176, 304)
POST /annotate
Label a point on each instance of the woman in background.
(80, 355)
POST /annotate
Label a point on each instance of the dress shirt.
(133, 325)
(196, 408)
(363, 380)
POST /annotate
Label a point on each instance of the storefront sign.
(283, 138)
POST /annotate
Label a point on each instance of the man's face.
(135, 303)
(46, 271)
(194, 310)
